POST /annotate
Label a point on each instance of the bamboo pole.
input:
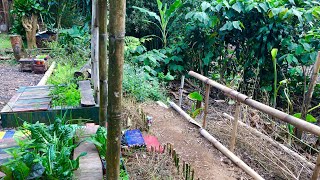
(235, 127)
(259, 106)
(218, 145)
(116, 56)
(95, 49)
(184, 114)
(206, 105)
(272, 142)
(230, 155)
(46, 76)
(181, 90)
(316, 171)
(103, 61)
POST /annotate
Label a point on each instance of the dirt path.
(11, 79)
(208, 162)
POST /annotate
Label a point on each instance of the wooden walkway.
(90, 165)
(30, 98)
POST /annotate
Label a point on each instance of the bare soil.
(11, 79)
(207, 161)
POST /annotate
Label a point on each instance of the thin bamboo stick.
(206, 101)
(219, 146)
(271, 141)
(259, 106)
(230, 155)
(181, 90)
(235, 127)
(316, 171)
(46, 76)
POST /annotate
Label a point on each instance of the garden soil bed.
(207, 161)
(11, 79)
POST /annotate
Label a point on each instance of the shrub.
(141, 85)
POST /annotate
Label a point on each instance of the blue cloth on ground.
(134, 138)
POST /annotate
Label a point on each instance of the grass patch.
(5, 41)
(65, 92)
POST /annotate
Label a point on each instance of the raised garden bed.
(33, 104)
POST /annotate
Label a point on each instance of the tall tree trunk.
(308, 97)
(5, 7)
(103, 60)
(116, 57)
(95, 49)
(30, 25)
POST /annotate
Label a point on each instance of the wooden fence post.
(5, 6)
(181, 90)
(316, 170)
(235, 127)
(206, 101)
(95, 49)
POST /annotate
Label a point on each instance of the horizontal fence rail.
(299, 123)
(241, 98)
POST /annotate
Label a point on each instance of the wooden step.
(86, 92)
(90, 165)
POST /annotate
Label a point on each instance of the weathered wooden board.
(86, 91)
(30, 98)
(15, 119)
(90, 165)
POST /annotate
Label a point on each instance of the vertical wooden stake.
(235, 127)
(183, 168)
(316, 170)
(6, 16)
(192, 174)
(206, 101)
(181, 90)
(95, 48)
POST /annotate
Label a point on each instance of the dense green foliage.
(99, 139)
(46, 153)
(70, 58)
(24, 8)
(143, 77)
(138, 83)
(231, 41)
(54, 14)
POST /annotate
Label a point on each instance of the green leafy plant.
(142, 86)
(46, 153)
(309, 118)
(163, 19)
(195, 108)
(274, 53)
(99, 139)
